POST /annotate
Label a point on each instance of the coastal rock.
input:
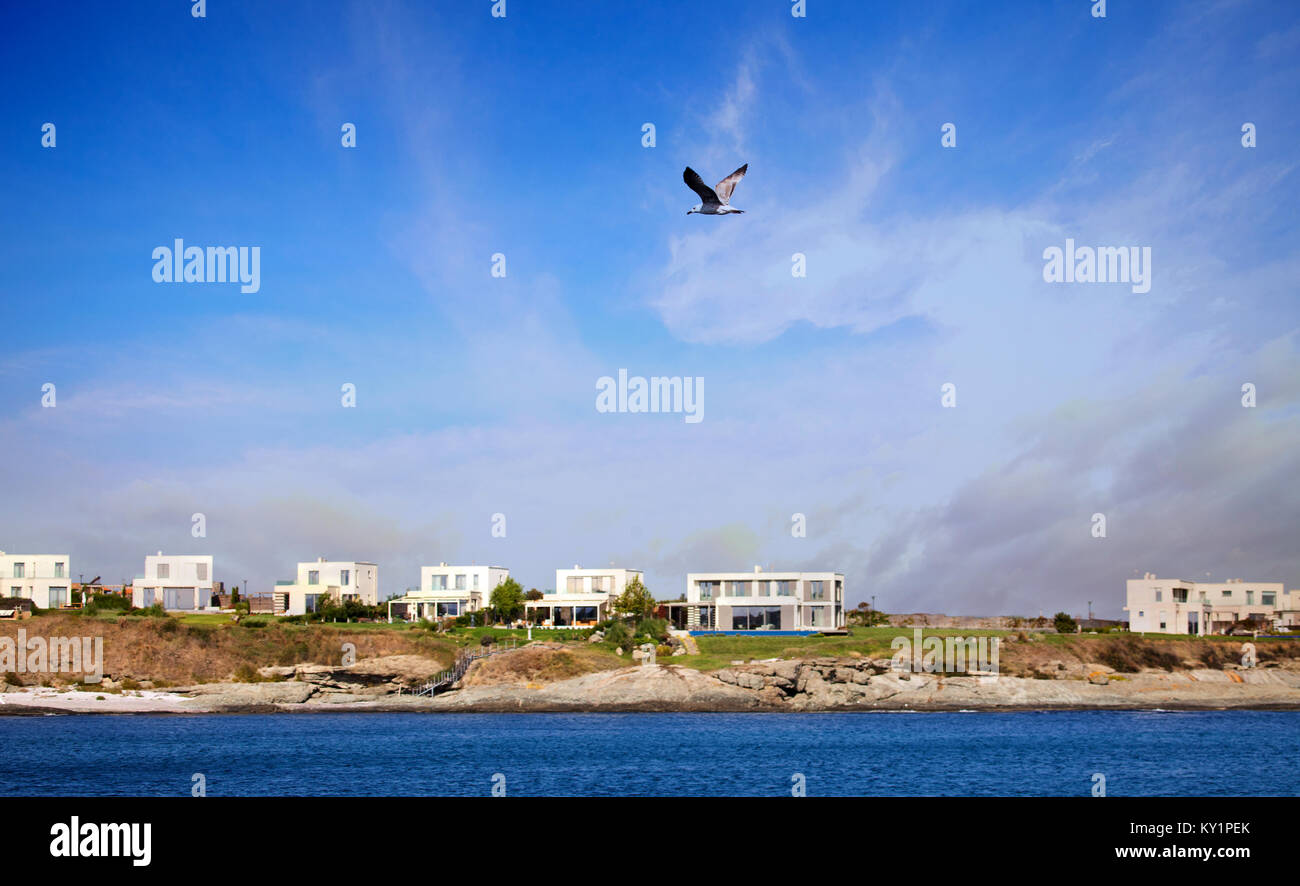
(643, 688)
(215, 696)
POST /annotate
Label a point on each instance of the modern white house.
(581, 597)
(341, 579)
(181, 582)
(42, 578)
(448, 591)
(1181, 606)
(761, 601)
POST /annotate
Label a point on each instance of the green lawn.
(720, 652)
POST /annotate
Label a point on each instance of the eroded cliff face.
(821, 684)
(866, 684)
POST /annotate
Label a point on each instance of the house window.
(58, 597)
(1268, 598)
(1160, 596)
(460, 582)
(816, 591)
(1250, 598)
(708, 589)
(476, 581)
(1141, 614)
(313, 578)
(1163, 617)
(784, 588)
(202, 570)
(438, 582)
(345, 577)
(18, 570)
(16, 591)
(755, 618)
(1180, 595)
(738, 589)
(1227, 594)
(162, 570)
(58, 570)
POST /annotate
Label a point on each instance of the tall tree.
(507, 600)
(635, 600)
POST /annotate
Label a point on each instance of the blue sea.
(1049, 753)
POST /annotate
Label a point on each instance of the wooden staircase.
(464, 659)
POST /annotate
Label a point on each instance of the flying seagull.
(717, 200)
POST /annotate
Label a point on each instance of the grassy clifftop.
(1021, 653)
(205, 648)
(201, 649)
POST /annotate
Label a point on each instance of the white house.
(582, 597)
(342, 579)
(42, 578)
(762, 601)
(1181, 606)
(180, 582)
(448, 591)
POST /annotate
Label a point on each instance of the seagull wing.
(728, 184)
(696, 184)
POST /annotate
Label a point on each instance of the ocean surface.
(1053, 753)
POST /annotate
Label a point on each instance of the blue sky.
(522, 136)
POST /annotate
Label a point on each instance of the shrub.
(1064, 623)
(1130, 656)
(617, 634)
(653, 628)
(1211, 656)
(487, 640)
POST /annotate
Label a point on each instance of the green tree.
(507, 600)
(1064, 623)
(636, 600)
(533, 594)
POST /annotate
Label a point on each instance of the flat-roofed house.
(42, 578)
(179, 582)
(341, 579)
(762, 601)
(1182, 606)
(448, 591)
(581, 597)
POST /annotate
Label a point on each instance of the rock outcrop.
(822, 684)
